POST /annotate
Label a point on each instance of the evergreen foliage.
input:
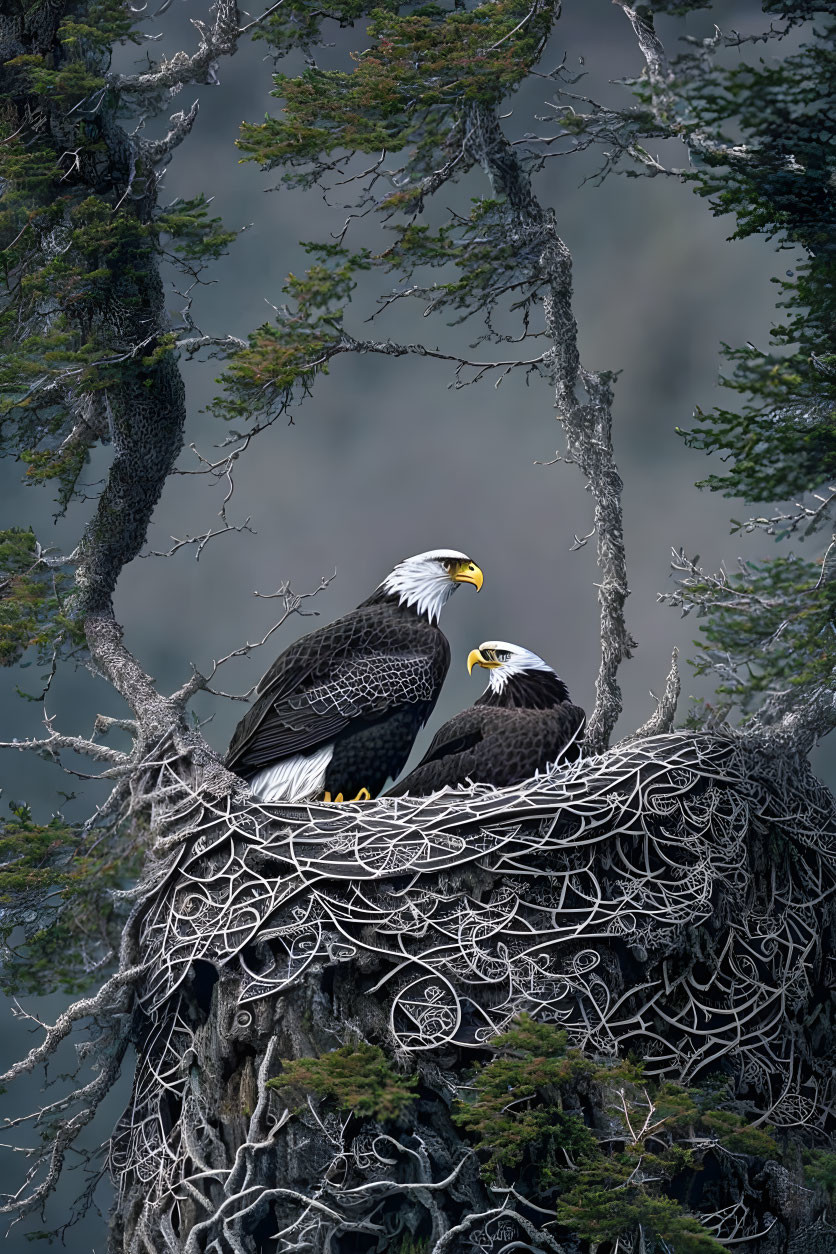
(283, 358)
(32, 598)
(609, 1148)
(515, 1111)
(782, 439)
(358, 1078)
(762, 142)
(421, 64)
(59, 921)
(820, 1169)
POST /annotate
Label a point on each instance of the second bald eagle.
(523, 722)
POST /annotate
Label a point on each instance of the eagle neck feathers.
(426, 609)
(528, 690)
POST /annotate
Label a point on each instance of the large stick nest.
(673, 897)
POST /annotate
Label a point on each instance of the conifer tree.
(591, 1015)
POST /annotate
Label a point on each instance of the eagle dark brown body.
(338, 712)
(367, 682)
(520, 725)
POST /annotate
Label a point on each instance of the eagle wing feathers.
(359, 667)
(499, 746)
(460, 733)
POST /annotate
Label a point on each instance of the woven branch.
(672, 898)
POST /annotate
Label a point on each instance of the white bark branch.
(199, 67)
(588, 425)
(104, 999)
(662, 720)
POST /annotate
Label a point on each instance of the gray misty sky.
(387, 459)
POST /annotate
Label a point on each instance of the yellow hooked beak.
(477, 658)
(467, 572)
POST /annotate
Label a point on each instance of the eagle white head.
(428, 580)
(503, 660)
(516, 676)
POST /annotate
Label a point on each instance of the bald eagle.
(523, 722)
(337, 713)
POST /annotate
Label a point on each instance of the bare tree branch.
(293, 602)
(49, 746)
(113, 990)
(662, 720)
(199, 67)
(157, 150)
(808, 517)
(201, 541)
(588, 426)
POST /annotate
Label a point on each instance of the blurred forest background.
(388, 459)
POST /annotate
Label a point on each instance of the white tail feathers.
(300, 778)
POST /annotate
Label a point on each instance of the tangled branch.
(441, 919)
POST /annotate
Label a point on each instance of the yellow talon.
(363, 795)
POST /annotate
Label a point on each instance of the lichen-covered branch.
(49, 745)
(112, 993)
(662, 719)
(587, 423)
(219, 39)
